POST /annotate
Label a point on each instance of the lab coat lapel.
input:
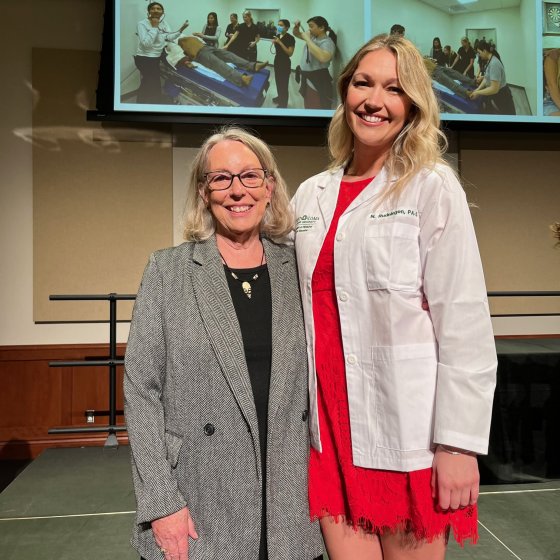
(370, 192)
(327, 197)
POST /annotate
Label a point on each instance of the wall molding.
(36, 397)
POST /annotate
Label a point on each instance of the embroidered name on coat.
(396, 212)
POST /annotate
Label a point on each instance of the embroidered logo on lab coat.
(305, 223)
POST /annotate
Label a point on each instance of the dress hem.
(405, 525)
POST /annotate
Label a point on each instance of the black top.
(241, 45)
(281, 57)
(255, 320)
(465, 56)
(230, 30)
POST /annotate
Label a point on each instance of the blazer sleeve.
(456, 293)
(156, 488)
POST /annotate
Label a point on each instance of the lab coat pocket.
(173, 444)
(405, 387)
(392, 256)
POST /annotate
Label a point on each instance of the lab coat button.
(340, 236)
(351, 359)
(343, 296)
(209, 429)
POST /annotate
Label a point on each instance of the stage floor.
(73, 504)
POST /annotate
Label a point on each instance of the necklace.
(245, 284)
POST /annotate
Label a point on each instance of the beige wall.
(515, 205)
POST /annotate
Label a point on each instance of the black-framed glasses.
(222, 180)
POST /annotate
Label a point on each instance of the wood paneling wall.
(35, 397)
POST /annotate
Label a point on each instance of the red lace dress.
(375, 500)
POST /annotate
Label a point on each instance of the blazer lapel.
(222, 327)
(277, 261)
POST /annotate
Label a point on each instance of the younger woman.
(153, 33)
(400, 397)
(211, 31)
(320, 45)
(284, 44)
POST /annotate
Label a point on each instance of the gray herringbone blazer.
(191, 416)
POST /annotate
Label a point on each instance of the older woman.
(215, 382)
(401, 397)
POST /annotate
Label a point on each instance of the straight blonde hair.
(199, 224)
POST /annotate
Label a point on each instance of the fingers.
(475, 490)
(191, 528)
(455, 479)
(172, 534)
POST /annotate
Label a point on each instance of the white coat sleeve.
(146, 36)
(455, 289)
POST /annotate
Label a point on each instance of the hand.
(473, 94)
(172, 534)
(297, 29)
(252, 44)
(197, 34)
(455, 479)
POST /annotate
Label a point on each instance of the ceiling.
(456, 7)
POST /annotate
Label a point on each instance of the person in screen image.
(215, 384)
(244, 41)
(449, 55)
(493, 88)
(211, 31)
(153, 33)
(400, 395)
(213, 58)
(232, 26)
(455, 81)
(464, 62)
(436, 52)
(551, 102)
(284, 44)
(320, 46)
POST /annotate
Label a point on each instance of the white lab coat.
(415, 378)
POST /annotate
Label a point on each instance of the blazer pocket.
(405, 388)
(392, 256)
(173, 444)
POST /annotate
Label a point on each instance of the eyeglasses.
(222, 180)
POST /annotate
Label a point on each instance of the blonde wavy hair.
(420, 144)
(199, 223)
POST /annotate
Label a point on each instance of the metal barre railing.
(551, 293)
(112, 362)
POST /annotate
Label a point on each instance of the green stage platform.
(78, 504)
